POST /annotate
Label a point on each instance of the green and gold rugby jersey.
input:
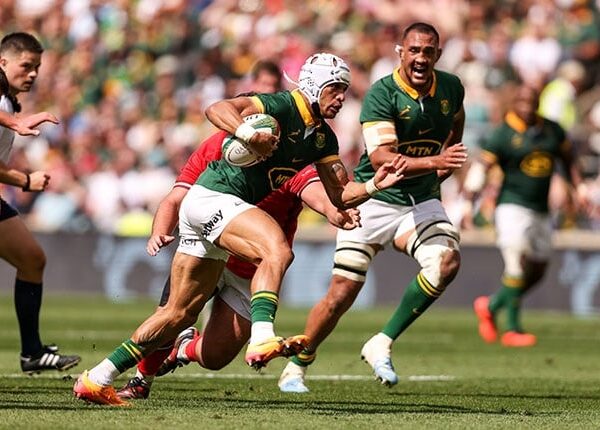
(526, 155)
(303, 141)
(422, 126)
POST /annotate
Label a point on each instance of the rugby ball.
(235, 151)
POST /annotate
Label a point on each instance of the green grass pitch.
(449, 378)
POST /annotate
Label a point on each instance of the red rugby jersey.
(209, 150)
(283, 204)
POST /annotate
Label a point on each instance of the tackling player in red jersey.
(228, 328)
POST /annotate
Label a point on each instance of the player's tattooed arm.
(351, 194)
(339, 170)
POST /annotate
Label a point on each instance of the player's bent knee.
(217, 356)
(449, 267)
(352, 260)
(289, 256)
(280, 255)
(33, 262)
(435, 246)
(39, 260)
(210, 364)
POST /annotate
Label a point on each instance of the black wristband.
(27, 184)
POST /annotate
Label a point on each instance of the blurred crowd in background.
(129, 81)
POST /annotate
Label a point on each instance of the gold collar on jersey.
(309, 120)
(304, 109)
(405, 86)
(516, 123)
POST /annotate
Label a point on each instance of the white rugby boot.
(292, 379)
(377, 354)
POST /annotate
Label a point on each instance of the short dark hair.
(247, 94)
(267, 66)
(421, 27)
(20, 42)
(5, 91)
(4, 87)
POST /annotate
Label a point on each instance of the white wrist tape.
(245, 132)
(371, 188)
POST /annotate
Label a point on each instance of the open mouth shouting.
(419, 73)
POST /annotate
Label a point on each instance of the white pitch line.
(414, 378)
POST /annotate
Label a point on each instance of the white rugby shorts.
(203, 216)
(235, 291)
(382, 222)
(525, 230)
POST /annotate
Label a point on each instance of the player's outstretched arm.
(165, 220)
(26, 125)
(344, 194)
(315, 197)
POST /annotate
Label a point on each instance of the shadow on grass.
(351, 400)
(349, 407)
(541, 397)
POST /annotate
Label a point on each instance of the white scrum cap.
(319, 71)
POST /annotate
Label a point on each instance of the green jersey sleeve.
(377, 104)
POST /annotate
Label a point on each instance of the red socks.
(190, 348)
(150, 364)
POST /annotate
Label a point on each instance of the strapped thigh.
(352, 260)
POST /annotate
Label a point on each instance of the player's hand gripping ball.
(236, 152)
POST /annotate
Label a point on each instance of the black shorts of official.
(6, 210)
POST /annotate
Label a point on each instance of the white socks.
(261, 331)
(104, 373)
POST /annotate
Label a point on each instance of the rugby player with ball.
(218, 217)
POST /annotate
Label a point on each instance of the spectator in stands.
(110, 55)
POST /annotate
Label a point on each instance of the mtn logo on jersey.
(419, 148)
(278, 175)
(211, 224)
